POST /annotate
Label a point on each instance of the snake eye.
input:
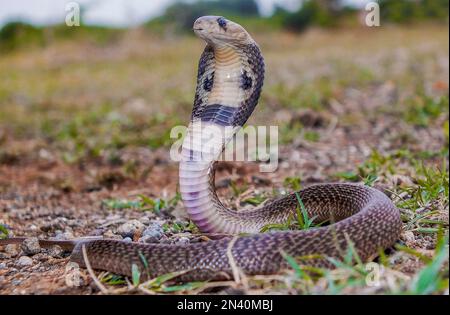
(222, 23)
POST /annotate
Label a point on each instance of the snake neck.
(227, 78)
(229, 83)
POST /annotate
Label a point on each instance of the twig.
(91, 272)
(238, 275)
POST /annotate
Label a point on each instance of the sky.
(109, 12)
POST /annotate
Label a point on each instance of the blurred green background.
(179, 16)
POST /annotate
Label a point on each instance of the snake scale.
(229, 82)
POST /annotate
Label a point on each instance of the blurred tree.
(406, 11)
(312, 12)
(184, 14)
(327, 13)
(18, 34)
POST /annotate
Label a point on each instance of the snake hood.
(230, 73)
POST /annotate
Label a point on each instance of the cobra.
(229, 82)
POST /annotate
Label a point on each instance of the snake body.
(229, 82)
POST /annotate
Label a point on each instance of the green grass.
(432, 278)
(3, 231)
(143, 203)
(300, 221)
(423, 110)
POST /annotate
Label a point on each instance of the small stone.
(110, 235)
(2, 266)
(41, 257)
(154, 230)
(148, 239)
(55, 251)
(166, 241)
(24, 261)
(127, 239)
(183, 240)
(128, 229)
(62, 236)
(53, 225)
(12, 250)
(259, 180)
(30, 246)
(144, 220)
(16, 282)
(408, 237)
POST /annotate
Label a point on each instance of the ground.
(85, 139)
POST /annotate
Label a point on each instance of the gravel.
(144, 220)
(11, 250)
(24, 261)
(130, 228)
(183, 240)
(41, 257)
(62, 236)
(55, 251)
(16, 282)
(4, 256)
(30, 246)
(408, 237)
(148, 239)
(111, 235)
(153, 233)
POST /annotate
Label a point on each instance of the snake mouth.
(197, 29)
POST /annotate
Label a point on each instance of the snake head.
(218, 31)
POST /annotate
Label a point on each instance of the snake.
(230, 77)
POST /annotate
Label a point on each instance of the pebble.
(55, 251)
(128, 229)
(2, 266)
(127, 239)
(148, 239)
(16, 282)
(166, 241)
(4, 256)
(56, 224)
(66, 235)
(144, 220)
(153, 231)
(41, 257)
(24, 261)
(110, 235)
(12, 250)
(183, 240)
(30, 246)
(408, 238)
